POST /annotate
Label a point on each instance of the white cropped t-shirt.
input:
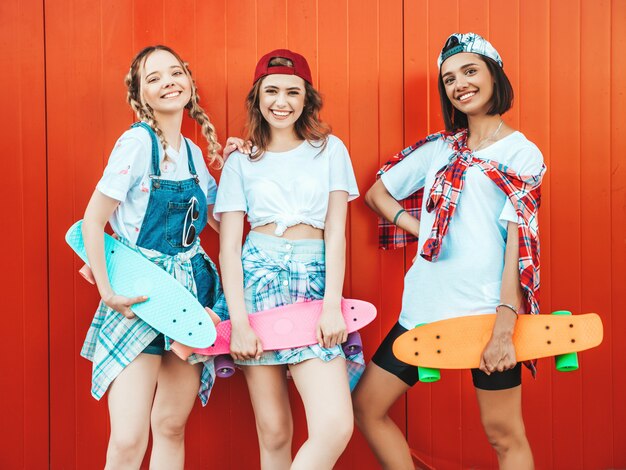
(286, 188)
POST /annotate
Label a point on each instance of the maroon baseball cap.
(300, 65)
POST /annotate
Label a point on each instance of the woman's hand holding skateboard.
(244, 343)
(122, 304)
(331, 329)
(499, 353)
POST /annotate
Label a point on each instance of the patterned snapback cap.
(468, 42)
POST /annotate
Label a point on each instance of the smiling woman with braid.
(157, 194)
(469, 196)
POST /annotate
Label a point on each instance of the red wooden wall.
(375, 64)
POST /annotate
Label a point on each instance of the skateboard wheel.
(353, 344)
(565, 362)
(224, 366)
(426, 374)
(561, 312)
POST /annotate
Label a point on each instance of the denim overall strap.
(156, 163)
(171, 207)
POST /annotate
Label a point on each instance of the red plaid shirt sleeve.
(390, 236)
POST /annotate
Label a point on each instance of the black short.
(385, 359)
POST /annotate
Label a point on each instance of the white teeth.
(466, 96)
(281, 113)
(172, 94)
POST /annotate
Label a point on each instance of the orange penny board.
(458, 343)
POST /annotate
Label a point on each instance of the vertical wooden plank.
(242, 55)
(418, 65)
(391, 118)
(332, 56)
(504, 35)
(112, 38)
(272, 25)
(565, 220)
(595, 116)
(389, 265)
(363, 143)
(148, 23)
(24, 388)
(617, 322)
(417, 82)
(474, 16)
(533, 104)
(302, 27)
(68, 180)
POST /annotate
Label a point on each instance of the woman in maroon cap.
(294, 187)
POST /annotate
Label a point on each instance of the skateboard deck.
(288, 326)
(458, 343)
(170, 308)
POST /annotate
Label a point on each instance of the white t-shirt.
(286, 188)
(126, 178)
(466, 278)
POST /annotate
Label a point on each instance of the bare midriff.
(296, 232)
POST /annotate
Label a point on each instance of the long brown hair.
(308, 127)
(145, 113)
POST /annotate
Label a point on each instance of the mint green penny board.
(170, 308)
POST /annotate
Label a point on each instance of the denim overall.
(163, 224)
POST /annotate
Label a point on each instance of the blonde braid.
(142, 111)
(198, 114)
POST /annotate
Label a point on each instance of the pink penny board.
(289, 326)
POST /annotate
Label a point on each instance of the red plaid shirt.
(522, 190)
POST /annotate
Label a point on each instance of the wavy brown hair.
(145, 113)
(308, 127)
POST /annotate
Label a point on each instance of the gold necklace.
(488, 138)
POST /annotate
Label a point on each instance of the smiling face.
(468, 83)
(281, 100)
(165, 85)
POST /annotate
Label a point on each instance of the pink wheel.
(224, 366)
(353, 344)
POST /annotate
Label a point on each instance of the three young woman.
(157, 193)
(294, 188)
(478, 252)
(470, 199)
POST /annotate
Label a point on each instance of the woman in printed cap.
(470, 196)
(294, 187)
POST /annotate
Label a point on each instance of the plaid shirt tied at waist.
(114, 341)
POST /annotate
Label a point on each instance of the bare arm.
(98, 212)
(244, 343)
(380, 201)
(331, 329)
(214, 224)
(499, 354)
